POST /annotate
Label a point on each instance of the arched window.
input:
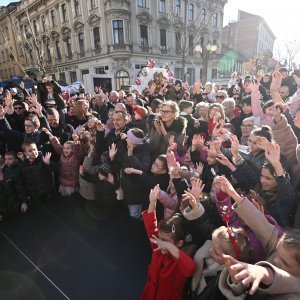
(122, 79)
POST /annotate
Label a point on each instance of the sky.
(281, 16)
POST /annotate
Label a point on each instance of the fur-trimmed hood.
(179, 125)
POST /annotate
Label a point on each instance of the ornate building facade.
(110, 38)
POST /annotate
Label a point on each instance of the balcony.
(146, 49)
(120, 50)
(97, 51)
(69, 57)
(163, 51)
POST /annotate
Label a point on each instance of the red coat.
(166, 275)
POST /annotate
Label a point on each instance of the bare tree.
(286, 53)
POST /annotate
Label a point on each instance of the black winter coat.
(141, 160)
(37, 177)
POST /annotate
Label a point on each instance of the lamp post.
(205, 52)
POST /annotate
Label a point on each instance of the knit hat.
(105, 169)
(141, 111)
(132, 136)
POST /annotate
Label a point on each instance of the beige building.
(112, 38)
(250, 35)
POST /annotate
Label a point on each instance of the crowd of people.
(212, 171)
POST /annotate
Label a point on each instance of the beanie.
(104, 169)
(140, 110)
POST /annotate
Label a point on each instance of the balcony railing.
(119, 48)
(69, 57)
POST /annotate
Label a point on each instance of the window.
(177, 8)
(178, 42)
(62, 77)
(144, 35)
(57, 47)
(49, 58)
(100, 70)
(191, 12)
(52, 16)
(214, 73)
(73, 77)
(64, 12)
(43, 23)
(178, 73)
(84, 72)
(118, 32)
(81, 42)
(215, 19)
(35, 27)
(163, 39)
(190, 74)
(69, 47)
(122, 79)
(191, 45)
(142, 3)
(162, 6)
(76, 8)
(96, 35)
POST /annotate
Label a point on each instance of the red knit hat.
(141, 111)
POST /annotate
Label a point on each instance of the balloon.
(137, 81)
(145, 71)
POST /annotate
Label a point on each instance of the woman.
(166, 124)
(215, 113)
(80, 113)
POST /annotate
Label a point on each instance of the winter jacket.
(284, 285)
(257, 110)
(68, 167)
(159, 143)
(166, 275)
(174, 95)
(37, 177)
(141, 160)
(16, 138)
(86, 188)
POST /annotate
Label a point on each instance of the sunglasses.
(18, 107)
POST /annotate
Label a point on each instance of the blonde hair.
(78, 112)
(173, 105)
(241, 238)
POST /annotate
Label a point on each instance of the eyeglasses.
(18, 107)
(246, 126)
(221, 97)
(28, 125)
(165, 112)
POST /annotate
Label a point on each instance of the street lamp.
(205, 53)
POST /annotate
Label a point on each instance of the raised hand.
(234, 146)
(222, 159)
(198, 140)
(112, 151)
(81, 170)
(99, 126)
(276, 81)
(272, 153)
(2, 112)
(153, 196)
(254, 86)
(197, 189)
(199, 168)
(162, 128)
(8, 99)
(110, 178)
(218, 128)
(225, 186)
(262, 142)
(46, 158)
(249, 275)
(157, 126)
(129, 147)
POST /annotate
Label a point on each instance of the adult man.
(113, 99)
(101, 107)
(62, 131)
(284, 92)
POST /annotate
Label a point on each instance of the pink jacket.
(257, 110)
(68, 174)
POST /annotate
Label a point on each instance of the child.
(36, 172)
(69, 162)
(170, 267)
(13, 195)
(186, 110)
(226, 240)
(140, 118)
